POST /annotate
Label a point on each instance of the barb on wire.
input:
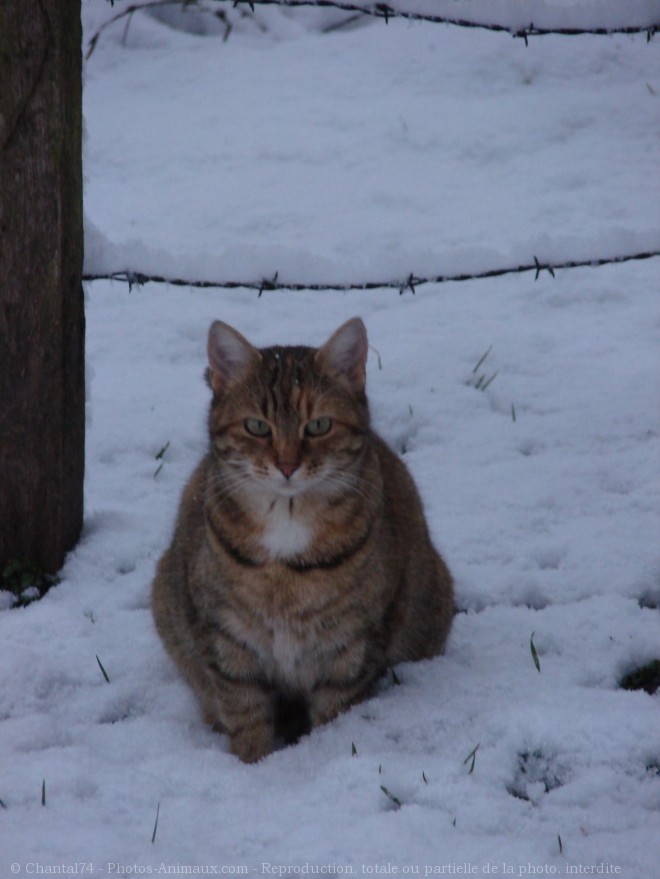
(378, 10)
(135, 278)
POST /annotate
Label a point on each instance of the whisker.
(227, 483)
(356, 484)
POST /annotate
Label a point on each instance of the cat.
(301, 566)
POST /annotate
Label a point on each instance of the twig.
(136, 7)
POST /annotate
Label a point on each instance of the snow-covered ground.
(366, 154)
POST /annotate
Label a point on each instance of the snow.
(365, 154)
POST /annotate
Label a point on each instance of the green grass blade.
(492, 378)
(153, 835)
(482, 358)
(472, 756)
(535, 655)
(397, 802)
(103, 671)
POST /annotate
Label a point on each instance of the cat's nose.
(287, 469)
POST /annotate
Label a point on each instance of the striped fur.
(301, 566)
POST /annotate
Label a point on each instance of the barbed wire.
(378, 10)
(411, 282)
(386, 12)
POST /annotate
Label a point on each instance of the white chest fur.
(294, 658)
(284, 535)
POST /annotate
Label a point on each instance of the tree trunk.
(42, 398)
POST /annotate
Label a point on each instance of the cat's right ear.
(230, 356)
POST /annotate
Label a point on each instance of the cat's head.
(288, 420)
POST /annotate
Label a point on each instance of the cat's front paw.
(252, 743)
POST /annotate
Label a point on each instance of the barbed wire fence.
(410, 283)
(386, 12)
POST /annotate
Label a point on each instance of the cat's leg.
(351, 680)
(237, 697)
(244, 711)
(250, 733)
(330, 699)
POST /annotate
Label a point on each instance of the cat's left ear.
(230, 355)
(345, 354)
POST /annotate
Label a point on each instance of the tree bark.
(42, 397)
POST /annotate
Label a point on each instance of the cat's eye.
(318, 426)
(256, 427)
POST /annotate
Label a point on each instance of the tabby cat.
(301, 566)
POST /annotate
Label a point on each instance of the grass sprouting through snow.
(26, 581)
(153, 835)
(535, 655)
(471, 758)
(378, 358)
(103, 671)
(479, 381)
(160, 456)
(483, 385)
(394, 799)
(482, 358)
